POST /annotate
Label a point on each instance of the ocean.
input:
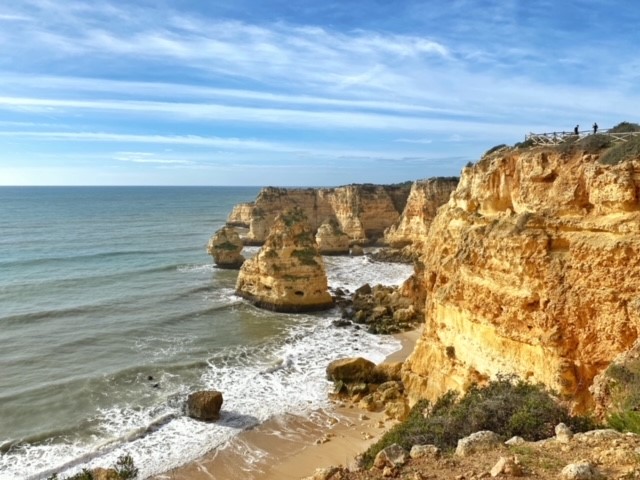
(111, 312)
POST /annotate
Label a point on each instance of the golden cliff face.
(287, 274)
(532, 268)
(425, 198)
(363, 212)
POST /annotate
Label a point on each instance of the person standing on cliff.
(575, 130)
(595, 128)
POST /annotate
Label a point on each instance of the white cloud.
(146, 157)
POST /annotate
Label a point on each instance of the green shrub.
(528, 143)
(494, 149)
(505, 406)
(625, 421)
(621, 152)
(228, 246)
(594, 143)
(625, 396)
(124, 468)
(306, 256)
(568, 144)
(625, 127)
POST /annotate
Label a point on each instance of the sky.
(297, 92)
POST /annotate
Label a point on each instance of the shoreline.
(290, 447)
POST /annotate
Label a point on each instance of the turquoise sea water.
(111, 313)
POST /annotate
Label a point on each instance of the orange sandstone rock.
(531, 268)
(287, 274)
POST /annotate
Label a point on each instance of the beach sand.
(292, 447)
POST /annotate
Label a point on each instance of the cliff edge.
(531, 269)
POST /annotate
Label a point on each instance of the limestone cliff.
(363, 212)
(425, 197)
(531, 268)
(287, 274)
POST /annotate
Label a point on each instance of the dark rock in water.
(204, 405)
(150, 377)
(341, 323)
(339, 292)
(364, 289)
(156, 385)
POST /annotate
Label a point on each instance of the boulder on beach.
(349, 370)
(204, 405)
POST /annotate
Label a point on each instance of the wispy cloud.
(146, 157)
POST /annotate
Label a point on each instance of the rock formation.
(241, 215)
(425, 198)
(204, 405)
(287, 274)
(362, 212)
(531, 268)
(225, 246)
(331, 239)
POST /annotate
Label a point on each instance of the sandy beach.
(292, 447)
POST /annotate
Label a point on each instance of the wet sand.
(292, 447)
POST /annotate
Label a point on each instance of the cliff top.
(614, 145)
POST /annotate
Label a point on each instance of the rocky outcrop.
(287, 274)
(373, 387)
(204, 405)
(225, 246)
(425, 198)
(241, 215)
(362, 212)
(331, 239)
(531, 269)
(383, 309)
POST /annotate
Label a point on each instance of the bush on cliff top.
(625, 127)
(505, 406)
(622, 152)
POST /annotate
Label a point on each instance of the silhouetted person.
(575, 130)
(595, 128)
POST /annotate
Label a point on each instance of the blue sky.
(274, 92)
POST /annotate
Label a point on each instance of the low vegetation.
(495, 149)
(124, 469)
(306, 256)
(594, 143)
(625, 396)
(505, 406)
(625, 127)
(621, 152)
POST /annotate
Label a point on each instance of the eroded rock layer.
(363, 212)
(287, 274)
(531, 268)
(425, 198)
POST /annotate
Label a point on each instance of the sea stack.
(331, 239)
(287, 274)
(225, 246)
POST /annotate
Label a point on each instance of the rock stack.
(287, 274)
(225, 246)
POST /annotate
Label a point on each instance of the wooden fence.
(557, 138)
